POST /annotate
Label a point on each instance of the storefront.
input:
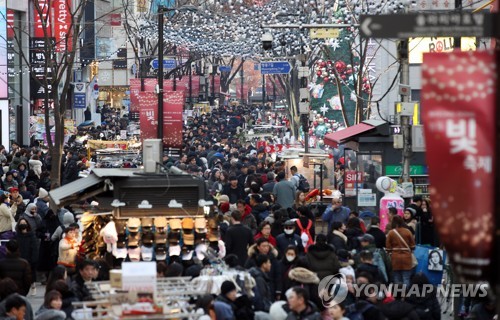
(369, 153)
(116, 96)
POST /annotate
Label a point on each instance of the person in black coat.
(289, 261)
(337, 238)
(16, 268)
(378, 234)
(353, 232)
(288, 238)
(322, 258)
(71, 169)
(27, 242)
(238, 238)
(426, 305)
(264, 296)
(234, 190)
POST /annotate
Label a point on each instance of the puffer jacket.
(308, 280)
(36, 165)
(323, 260)
(49, 314)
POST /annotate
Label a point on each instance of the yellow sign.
(419, 46)
(324, 33)
(416, 112)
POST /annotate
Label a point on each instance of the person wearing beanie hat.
(409, 218)
(41, 202)
(224, 304)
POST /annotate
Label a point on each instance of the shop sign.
(79, 96)
(395, 170)
(352, 180)
(366, 198)
(459, 113)
(62, 25)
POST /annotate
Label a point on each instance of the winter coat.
(284, 240)
(29, 311)
(15, 163)
(379, 236)
(372, 270)
(338, 240)
(263, 294)
(28, 246)
(371, 311)
(36, 165)
(427, 306)
(271, 239)
(274, 274)
(71, 171)
(67, 219)
(67, 252)
(308, 280)
(6, 218)
(249, 220)
(224, 308)
(18, 270)
(352, 238)
(400, 254)
(234, 194)
(237, 239)
(310, 313)
(260, 212)
(399, 310)
(323, 260)
(49, 314)
(284, 268)
(42, 207)
(35, 221)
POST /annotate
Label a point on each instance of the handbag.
(414, 261)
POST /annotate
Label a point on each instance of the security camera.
(267, 41)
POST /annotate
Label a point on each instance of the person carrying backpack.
(299, 180)
(305, 227)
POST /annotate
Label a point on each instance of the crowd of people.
(265, 224)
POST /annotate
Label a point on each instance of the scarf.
(340, 234)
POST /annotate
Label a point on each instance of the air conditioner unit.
(152, 154)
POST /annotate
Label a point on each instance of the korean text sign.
(458, 103)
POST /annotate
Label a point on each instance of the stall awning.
(57, 195)
(339, 137)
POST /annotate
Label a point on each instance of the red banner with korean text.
(40, 16)
(458, 109)
(135, 88)
(62, 25)
(148, 117)
(173, 106)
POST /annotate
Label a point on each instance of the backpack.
(305, 234)
(303, 184)
(352, 313)
(380, 263)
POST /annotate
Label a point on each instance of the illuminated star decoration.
(334, 44)
(323, 109)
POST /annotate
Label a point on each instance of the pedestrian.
(51, 308)
(288, 238)
(247, 218)
(399, 244)
(337, 238)
(335, 212)
(264, 297)
(68, 249)
(300, 306)
(409, 218)
(28, 249)
(238, 238)
(6, 217)
(86, 271)
(284, 191)
(16, 268)
(264, 231)
(322, 258)
(224, 303)
(376, 233)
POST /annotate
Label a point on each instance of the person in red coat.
(264, 231)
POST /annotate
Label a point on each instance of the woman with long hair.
(58, 273)
(400, 244)
(428, 233)
(51, 308)
(27, 247)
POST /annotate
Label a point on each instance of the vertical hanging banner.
(4, 94)
(62, 25)
(135, 88)
(148, 117)
(41, 17)
(173, 105)
(458, 104)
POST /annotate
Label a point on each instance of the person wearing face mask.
(289, 237)
(27, 247)
(288, 262)
(335, 212)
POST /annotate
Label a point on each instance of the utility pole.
(242, 73)
(405, 119)
(160, 72)
(263, 90)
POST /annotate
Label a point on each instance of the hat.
(223, 198)
(13, 189)
(289, 223)
(147, 222)
(226, 287)
(160, 222)
(133, 224)
(133, 239)
(201, 249)
(343, 255)
(120, 253)
(161, 253)
(174, 250)
(367, 238)
(147, 253)
(200, 223)
(413, 211)
(134, 254)
(42, 193)
(175, 224)
(187, 223)
(188, 255)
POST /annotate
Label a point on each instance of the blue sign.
(79, 100)
(167, 64)
(275, 67)
(225, 68)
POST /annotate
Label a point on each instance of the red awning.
(338, 137)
